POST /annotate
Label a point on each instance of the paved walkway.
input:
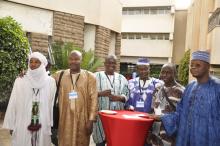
(4, 134)
(5, 138)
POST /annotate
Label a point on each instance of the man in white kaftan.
(36, 85)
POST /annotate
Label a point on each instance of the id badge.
(73, 95)
(140, 104)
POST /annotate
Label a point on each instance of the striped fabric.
(120, 87)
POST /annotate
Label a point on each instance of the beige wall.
(68, 28)
(100, 12)
(216, 4)
(148, 23)
(198, 37)
(148, 48)
(197, 26)
(32, 19)
(215, 45)
(88, 24)
(179, 35)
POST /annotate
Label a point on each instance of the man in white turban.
(29, 114)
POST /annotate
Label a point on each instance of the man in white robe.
(35, 86)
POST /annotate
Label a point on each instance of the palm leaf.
(61, 52)
(96, 63)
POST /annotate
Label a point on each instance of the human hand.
(22, 73)
(156, 104)
(105, 93)
(89, 127)
(155, 117)
(116, 98)
(131, 108)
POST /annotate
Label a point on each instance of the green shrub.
(183, 70)
(61, 52)
(155, 71)
(13, 54)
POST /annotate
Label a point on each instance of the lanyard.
(141, 88)
(75, 84)
(35, 96)
(111, 83)
(36, 92)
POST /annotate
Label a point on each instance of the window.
(124, 36)
(160, 36)
(131, 36)
(124, 12)
(153, 11)
(167, 10)
(138, 36)
(161, 10)
(146, 36)
(167, 36)
(131, 12)
(137, 11)
(218, 20)
(146, 11)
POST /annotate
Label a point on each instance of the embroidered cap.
(201, 55)
(143, 61)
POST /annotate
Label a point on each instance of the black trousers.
(54, 138)
(101, 144)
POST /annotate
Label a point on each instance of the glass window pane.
(167, 10)
(160, 10)
(146, 36)
(124, 36)
(137, 11)
(153, 11)
(160, 36)
(124, 12)
(131, 36)
(167, 36)
(153, 36)
(131, 12)
(146, 11)
(138, 36)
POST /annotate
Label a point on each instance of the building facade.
(203, 30)
(88, 24)
(213, 38)
(147, 31)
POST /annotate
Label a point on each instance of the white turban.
(39, 56)
(37, 77)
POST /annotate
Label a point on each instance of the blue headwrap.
(143, 61)
(201, 55)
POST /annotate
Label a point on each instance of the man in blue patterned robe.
(142, 88)
(197, 118)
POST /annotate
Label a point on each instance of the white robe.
(18, 114)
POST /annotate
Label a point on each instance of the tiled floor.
(5, 138)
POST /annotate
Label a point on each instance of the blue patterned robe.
(135, 94)
(197, 119)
